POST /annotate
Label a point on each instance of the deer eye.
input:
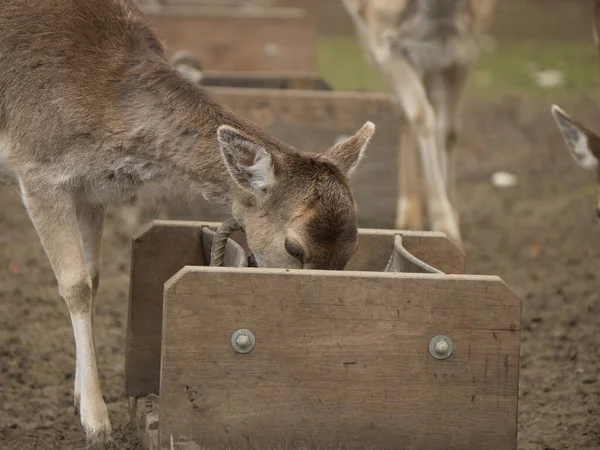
(294, 249)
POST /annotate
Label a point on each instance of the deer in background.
(425, 49)
(583, 144)
(90, 110)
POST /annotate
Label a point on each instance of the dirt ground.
(540, 237)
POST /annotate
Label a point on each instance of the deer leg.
(412, 97)
(445, 96)
(53, 213)
(409, 208)
(90, 218)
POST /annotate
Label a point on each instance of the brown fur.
(90, 110)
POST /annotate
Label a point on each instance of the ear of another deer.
(583, 144)
(248, 163)
(348, 153)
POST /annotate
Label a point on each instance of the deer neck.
(174, 123)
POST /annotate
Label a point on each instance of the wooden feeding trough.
(246, 38)
(400, 350)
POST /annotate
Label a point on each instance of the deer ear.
(248, 163)
(583, 144)
(347, 154)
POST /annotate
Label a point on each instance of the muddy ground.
(541, 237)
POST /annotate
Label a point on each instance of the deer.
(91, 109)
(583, 144)
(425, 50)
(131, 211)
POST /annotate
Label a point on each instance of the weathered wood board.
(258, 39)
(341, 360)
(265, 80)
(167, 246)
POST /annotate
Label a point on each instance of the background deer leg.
(411, 95)
(445, 91)
(54, 215)
(409, 209)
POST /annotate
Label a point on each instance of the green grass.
(505, 69)
(342, 63)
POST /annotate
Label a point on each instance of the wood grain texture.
(167, 246)
(341, 360)
(238, 39)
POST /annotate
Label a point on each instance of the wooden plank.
(156, 255)
(265, 80)
(341, 360)
(167, 246)
(232, 38)
(238, 3)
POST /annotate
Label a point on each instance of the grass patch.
(342, 63)
(508, 68)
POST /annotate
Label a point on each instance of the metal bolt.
(243, 341)
(441, 347)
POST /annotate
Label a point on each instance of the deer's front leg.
(446, 91)
(53, 213)
(90, 218)
(411, 95)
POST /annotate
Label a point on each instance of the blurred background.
(538, 231)
(528, 41)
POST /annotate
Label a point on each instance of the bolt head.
(441, 347)
(243, 341)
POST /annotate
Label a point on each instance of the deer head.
(297, 209)
(583, 144)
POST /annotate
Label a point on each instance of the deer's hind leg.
(53, 212)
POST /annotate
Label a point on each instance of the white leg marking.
(58, 229)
